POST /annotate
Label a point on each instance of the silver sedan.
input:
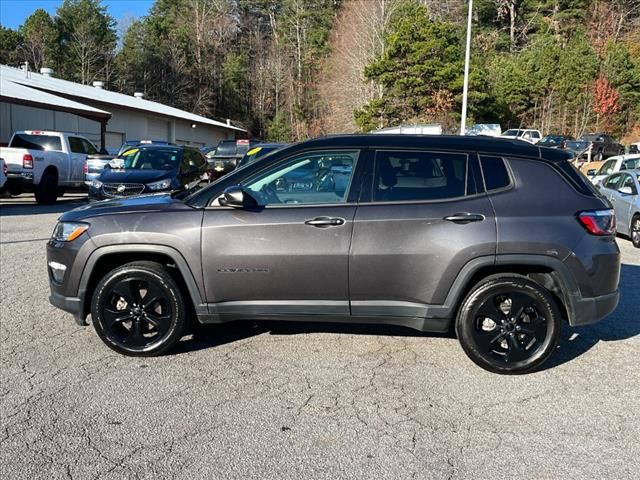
(622, 190)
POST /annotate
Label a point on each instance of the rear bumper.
(587, 310)
(19, 182)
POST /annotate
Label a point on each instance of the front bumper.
(73, 305)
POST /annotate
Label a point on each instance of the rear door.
(290, 254)
(425, 218)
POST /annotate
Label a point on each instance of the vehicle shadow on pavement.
(208, 336)
(15, 206)
(622, 324)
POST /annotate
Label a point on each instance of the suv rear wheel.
(508, 325)
(138, 309)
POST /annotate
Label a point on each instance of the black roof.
(482, 144)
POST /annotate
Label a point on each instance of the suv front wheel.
(508, 325)
(138, 309)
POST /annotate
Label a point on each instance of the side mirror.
(591, 172)
(625, 190)
(234, 196)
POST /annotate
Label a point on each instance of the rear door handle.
(464, 217)
(324, 222)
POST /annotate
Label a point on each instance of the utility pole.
(465, 90)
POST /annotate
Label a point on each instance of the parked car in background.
(555, 141)
(428, 232)
(417, 129)
(622, 190)
(487, 129)
(258, 151)
(600, 146)
(227, 154)
(46, 163)
(3, 174)
(634, 147)
(138, 143)
(150, 169)
(612, 165)
(525, 134)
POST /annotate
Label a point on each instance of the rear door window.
(36, 142)
(419, 176)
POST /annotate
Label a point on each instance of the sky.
(14, 12)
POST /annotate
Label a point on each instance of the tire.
(599, 156)
(635, 231)
(127, 323)
(46, 192)
(505, 344)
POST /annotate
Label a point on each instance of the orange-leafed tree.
(605, 100)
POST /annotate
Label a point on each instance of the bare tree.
(357, 39)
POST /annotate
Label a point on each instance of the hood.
(144, 203)
(111, 175)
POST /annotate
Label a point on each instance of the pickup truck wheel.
(635, 231)
(138, 309)
(599, 156)
(508, 325)
(46, 192)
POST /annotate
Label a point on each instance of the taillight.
(27, 161)
(86, 168)
(598, 222)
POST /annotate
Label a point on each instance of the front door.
(289, 256)
(423, 223)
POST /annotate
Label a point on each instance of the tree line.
(291, 69)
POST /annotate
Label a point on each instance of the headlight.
(160, 185)
(68, 231)
(96, 183)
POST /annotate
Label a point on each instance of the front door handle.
(324, 222)
(464, 217)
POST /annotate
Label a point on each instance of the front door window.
(318, 177)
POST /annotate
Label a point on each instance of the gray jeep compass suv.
(496, 238)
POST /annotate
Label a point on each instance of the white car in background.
(613, 165)
(525, 134)
(622, 190)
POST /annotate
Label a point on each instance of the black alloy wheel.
(635, 231)
(137, 309)
(508, 325)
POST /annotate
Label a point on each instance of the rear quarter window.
(495, 173)
(576, 179)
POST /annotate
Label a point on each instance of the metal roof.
(17, 76)
(15, 91)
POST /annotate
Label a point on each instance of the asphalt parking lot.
(299, 400)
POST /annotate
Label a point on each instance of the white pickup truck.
(45, 163)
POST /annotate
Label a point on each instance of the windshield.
(513, 132)
(551, 139)
(148, 158)
(631, 164)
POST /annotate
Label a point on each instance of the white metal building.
(33, 101)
